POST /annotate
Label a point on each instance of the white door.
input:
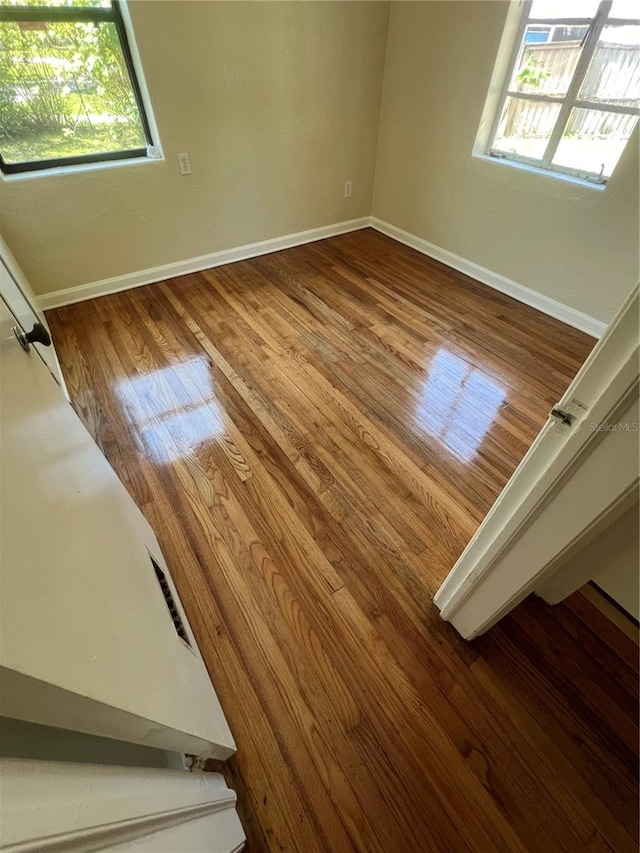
(579, 476)
(93, 637)
(17, 293)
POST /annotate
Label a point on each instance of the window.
(68, 88)
(572, 93)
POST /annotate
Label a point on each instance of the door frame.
(487, 582)
(18, 294)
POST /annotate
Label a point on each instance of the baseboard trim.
(549, 306)
(69, 295)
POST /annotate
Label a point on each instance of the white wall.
(19, 739)
(614, 561)
(277, 104)
(578, 245)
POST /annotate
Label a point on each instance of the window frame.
(566, 102)
(83, 14)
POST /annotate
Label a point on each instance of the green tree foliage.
(532, 76)
(64, 89)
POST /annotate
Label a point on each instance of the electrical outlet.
(348, 187)
(184, 164)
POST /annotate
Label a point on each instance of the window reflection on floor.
(172, 410)
(458, 404)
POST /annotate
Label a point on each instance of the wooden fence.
(614, 75)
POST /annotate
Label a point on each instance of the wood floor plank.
(315, 435)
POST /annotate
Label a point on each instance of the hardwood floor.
(315, 435)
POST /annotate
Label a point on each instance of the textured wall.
(614, 558)
(575, 244)
(277, 104)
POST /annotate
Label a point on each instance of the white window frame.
(567, 102)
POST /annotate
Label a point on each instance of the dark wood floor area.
(315, 435)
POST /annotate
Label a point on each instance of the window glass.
(594, 140)
(545, 67)
(526, 127)
(105, 4)
(614, 72)
(67, 91)
(573, 94)
(625, 9)
(563, 8)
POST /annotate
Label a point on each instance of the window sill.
(547, 173)
(79, 168)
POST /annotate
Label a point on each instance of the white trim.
(53, 806)
(97, 165)
(543, 303)
(508, 54)
(19, 296)
(70, 295)
(541, 171)
(549, 501)
(141, 80)
(498, 282)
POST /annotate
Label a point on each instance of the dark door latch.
(563, 416)
(37, 335)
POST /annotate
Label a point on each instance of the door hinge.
(563, 416)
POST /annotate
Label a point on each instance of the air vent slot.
(171, 603)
